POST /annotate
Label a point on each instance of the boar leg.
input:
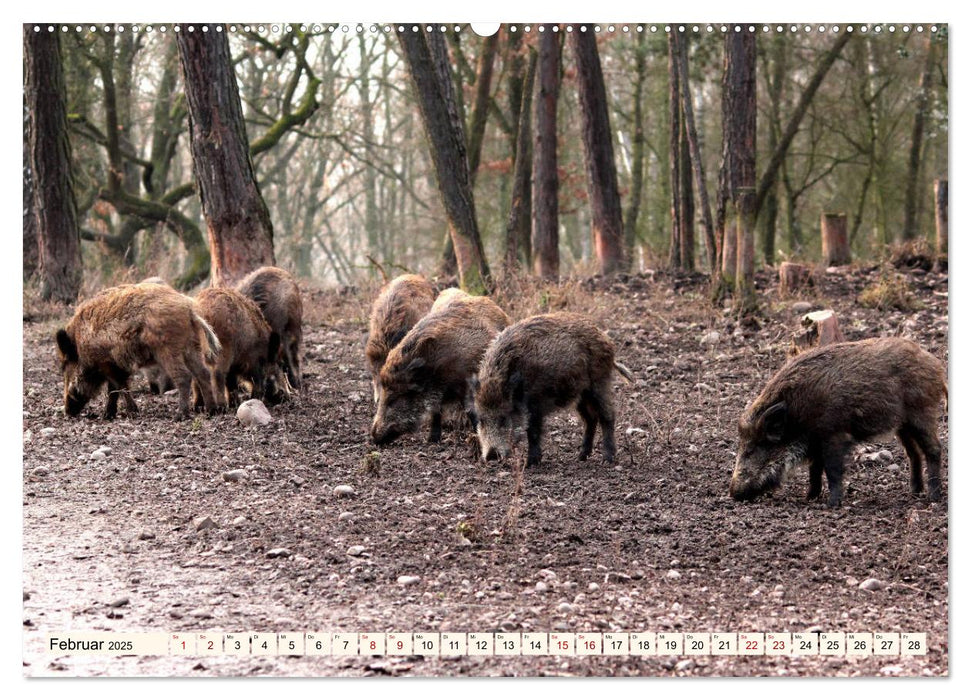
(118, 385)
(435, 431)
(604, 407)
(232, 389)
(219, 391)
(534, 436)
(833, 453)
(909, 441)
(589, 416)
(815, 478)
(197, 370)
(930, 445)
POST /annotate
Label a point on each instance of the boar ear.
(774, 422)
(273, 347)
(66, 346)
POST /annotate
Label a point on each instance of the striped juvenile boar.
(537, 366)
(432, 366)
(125, 328)
(276, 293)
(400, 305)
(249, 347)
(829, 398)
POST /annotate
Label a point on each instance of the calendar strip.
(848, 644)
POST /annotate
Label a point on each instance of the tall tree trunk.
(480, 107)
(674, 153)
(517, 227)
(546, 235)
(687, 207)
(427, 59)
(739, 115)
(598, 151)
(940, 218)
(30, 223)
(637, 152)
(238, 221)
(910, 228)
(367, 125)
(695, 153)
(775, 85)
(54, 207)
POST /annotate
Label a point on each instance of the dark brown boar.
(401, 304)
(537, 366)
(249, 347)
(432, 366)
(126, 328)
(276, 293)
(829, 398)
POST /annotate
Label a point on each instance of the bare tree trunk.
(674, 154)
(480, 108)
(598, 151)
(910, 229)
(739, 114)
(836, 243)
(695, 153)
(238, 221)
(687, 208)
(546, 234)
(54, 207)
(427, 59)
(940, 217)
(30, 223)
(517, 228)
(775, 85)
(637, 155)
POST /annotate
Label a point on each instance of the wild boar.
(537, 366)
(276, 293)
(432, 366)
(249, 347)
(401, 304)
(447, 296)
(125, 328)
(827, 399)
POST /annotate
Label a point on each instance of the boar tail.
(213, 346)
(624, 371)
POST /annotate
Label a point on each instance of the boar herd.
(427, 352)
(203, 346)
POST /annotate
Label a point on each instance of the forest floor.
(653, 543)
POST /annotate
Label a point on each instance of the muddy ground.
(653, 543)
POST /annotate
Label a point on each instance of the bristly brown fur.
(124, 328)
(433, 364)
(541, 364)
(399, 306)
(276, 293)
(246, 343)
(833, 396)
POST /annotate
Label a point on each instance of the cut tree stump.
(836, 242)
(818, 328)
(793, 277)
